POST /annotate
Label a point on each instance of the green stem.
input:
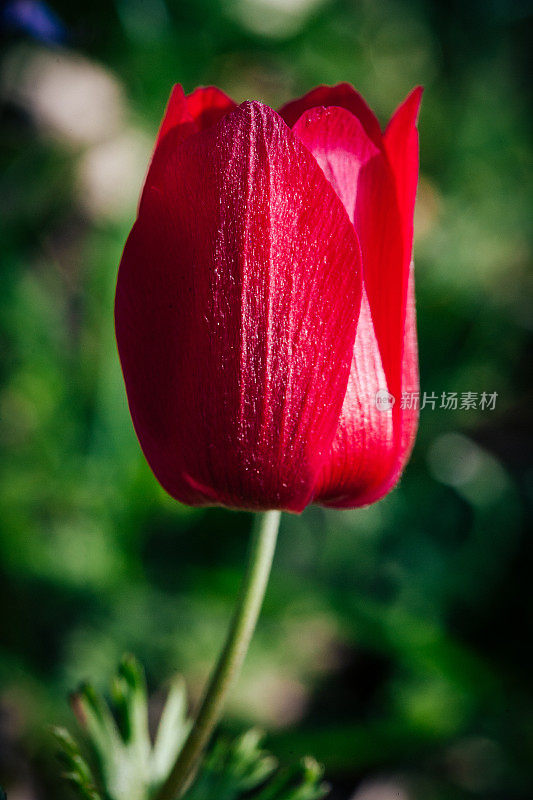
(230, 661)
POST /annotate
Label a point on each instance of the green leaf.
(106, 741)
(131, 702)
(130, 768)
(94, 714)
(173, 729)
(232, 771)
(77, 771)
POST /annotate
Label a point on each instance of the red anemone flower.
(265, 301)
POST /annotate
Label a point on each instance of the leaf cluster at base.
(128, 766)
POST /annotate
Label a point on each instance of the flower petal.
(372, 446)
(360, 456)
(207, 105)
(401, 144)
(367, 448)
(176, 114)
(341, 147)
(362, 177)
(184, 116)
(342, 95)
(203, 107)
(407, 420)
(236, 309)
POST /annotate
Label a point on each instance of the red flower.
(264, 297)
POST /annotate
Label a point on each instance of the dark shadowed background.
(394, 643)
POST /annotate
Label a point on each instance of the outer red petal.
(368, 483)
(207, 105)
(401, 145)
(184, 116)
(236, 309)
(203, 107)
(176, 115)
(361, 175)
(342, 95)
(364, 449)
(342, 148)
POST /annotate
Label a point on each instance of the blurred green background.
(395, 641)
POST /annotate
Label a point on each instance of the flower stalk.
(230, 661)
